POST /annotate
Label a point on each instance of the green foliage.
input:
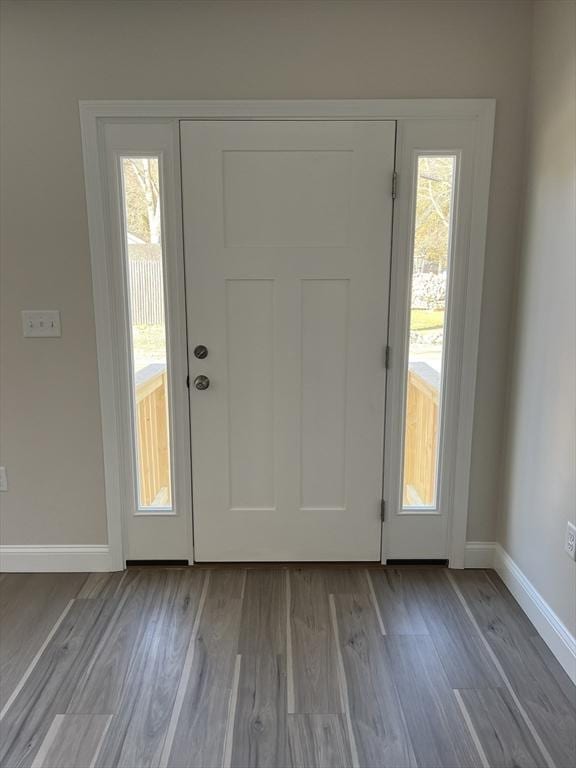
(426, 319)
(142, 198)
(433, 201)
(149, 341)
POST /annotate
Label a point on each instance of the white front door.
(287, 231)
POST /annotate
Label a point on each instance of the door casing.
(94, 115)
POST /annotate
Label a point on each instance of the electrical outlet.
(570, 545)
(3, 479)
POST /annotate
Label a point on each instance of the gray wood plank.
(464, 657)
(263, 628)
(30, 605)
(49, 688)
(346, 581)
(124, 643)
(260, 729)
(73, 741)
(136, 736)
(199, 737)
(227, 582)
(488, 587)
(101, 585)
(556, 670)
(314, 666)
(398, 602)
(318, 741)
(438, 732)
(381, 736)
(550, 709)
(505, 738)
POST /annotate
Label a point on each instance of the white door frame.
(93, 114)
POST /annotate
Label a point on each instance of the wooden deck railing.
(421, 435)
(153, 436)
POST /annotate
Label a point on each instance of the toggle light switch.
(41, 322)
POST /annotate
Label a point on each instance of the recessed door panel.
(250, 388)
(324, 394)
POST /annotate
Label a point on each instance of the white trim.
(553, 631)
(357, 109)
(472, 317)
(32, 558)
(479, 554)
(92, 116)
(111, 434)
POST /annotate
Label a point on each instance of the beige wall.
(55, 53)
(540, 488)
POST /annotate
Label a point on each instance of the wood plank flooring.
(277, 668)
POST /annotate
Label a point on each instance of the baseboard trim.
(553, 631)
(17, 558)
(479, 554)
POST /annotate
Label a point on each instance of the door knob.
(201, 382)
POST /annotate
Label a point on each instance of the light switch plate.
(570, 544)
(41, 322)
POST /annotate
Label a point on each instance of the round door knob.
(200, 352)
(201, 382)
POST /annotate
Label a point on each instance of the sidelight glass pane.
(145, 270)
(429, 285)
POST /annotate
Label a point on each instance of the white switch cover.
(41, 322)
(570, 545)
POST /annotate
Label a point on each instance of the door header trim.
(348, 109)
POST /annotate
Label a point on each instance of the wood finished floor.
(280, 668)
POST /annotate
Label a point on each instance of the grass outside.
(426, 319)
(149, 344)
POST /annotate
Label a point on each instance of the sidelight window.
(145, 267)
(431, 256)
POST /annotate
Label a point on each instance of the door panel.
(324, 362)
(250, 387)
(287, 231)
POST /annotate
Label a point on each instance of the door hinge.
(394, 184)
(387, 357)
(382, 510)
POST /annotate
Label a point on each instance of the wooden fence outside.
(153, 436)
(421, 437)
(146, 291)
